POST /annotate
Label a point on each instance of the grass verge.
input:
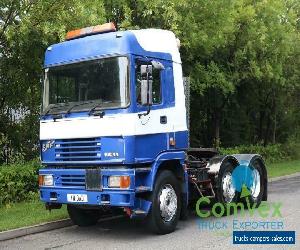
(27, 214)
(283, 168)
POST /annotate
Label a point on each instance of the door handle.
(163, 119)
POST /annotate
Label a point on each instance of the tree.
(243, 59)
(26, 30)
(233, 46)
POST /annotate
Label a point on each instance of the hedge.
(18, 182)
(271, 153)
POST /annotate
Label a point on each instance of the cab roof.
(154, 43)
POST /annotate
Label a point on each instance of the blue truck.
(114, 132)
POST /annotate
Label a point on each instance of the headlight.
(119, 181)
(46, 180)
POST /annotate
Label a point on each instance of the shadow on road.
(123, 228)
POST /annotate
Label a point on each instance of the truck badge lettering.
(47, 145)
(111, 154)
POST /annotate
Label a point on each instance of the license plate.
(77, 198)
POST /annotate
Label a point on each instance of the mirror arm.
(147, 113)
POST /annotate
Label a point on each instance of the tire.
(166, 191)
(256, 194)
(83, 217)
(223, 177)
(254, 197)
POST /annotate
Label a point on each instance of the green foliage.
(244, 81)
(243, 59)
(27, 214)
(28, 28)
(271, 153)
(18, 182)
(283, 168)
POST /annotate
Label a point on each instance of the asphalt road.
(125, 234)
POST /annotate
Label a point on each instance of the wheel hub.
(168, 202)
(228, 187)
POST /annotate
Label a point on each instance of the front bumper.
(72, 181)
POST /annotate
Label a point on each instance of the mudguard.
(216, 162)
(248, 160)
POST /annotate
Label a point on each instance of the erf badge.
(47, 145)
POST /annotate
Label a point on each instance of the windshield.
(81, 86)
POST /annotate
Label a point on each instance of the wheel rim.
(168, 202)
(228, 187)
(255, 187)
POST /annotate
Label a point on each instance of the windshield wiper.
(76, 105)
(55, 106)
(93, 108)
(98, 105)
(100, 112)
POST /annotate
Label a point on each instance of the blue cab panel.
(110, 150)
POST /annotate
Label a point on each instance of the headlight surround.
(46, 180)
(115, 181)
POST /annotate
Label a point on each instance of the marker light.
(107, 27)
(119, 181)
(46, 180)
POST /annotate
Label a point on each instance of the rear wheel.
(257, 187)
(166, 204)
(83, 217)
(226, 192)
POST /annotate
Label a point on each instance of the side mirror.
(146, 85)
(157, 65)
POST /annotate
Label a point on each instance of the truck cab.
(113, 127)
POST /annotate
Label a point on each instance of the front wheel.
(83, 217)
(166, 204)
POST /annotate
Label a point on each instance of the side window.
(156, 85)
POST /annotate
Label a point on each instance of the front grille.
(78, 149)
(73, 180)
